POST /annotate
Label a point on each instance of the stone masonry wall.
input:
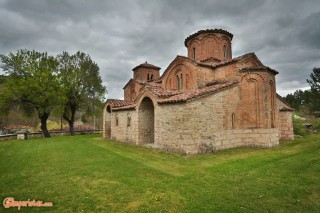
(285, 122)
(206, 125)
(285, 125)
(182, 127)
(226, 139)
(123, 131)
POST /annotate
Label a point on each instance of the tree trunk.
(71, 127)
(70, 120)
(44, 118)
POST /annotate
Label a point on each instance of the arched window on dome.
(179, 82)
(194, 53)
(225, 52)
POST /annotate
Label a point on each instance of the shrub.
(298, 126)
(316, 124)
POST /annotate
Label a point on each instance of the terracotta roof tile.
(210, 59)
(207, 31)
(223, 63)
(116, 103)
(146, 65)
(257, 69)
(198, 93)
(156, 89)
(127, 107)
(133, 80)
(286, 109)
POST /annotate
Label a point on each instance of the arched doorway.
(146, 121)
(107, 123)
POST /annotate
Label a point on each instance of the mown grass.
(88, 174)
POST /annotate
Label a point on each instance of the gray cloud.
(122, 34)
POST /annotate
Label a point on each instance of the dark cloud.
(122, 34)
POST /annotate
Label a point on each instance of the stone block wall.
(285, 125)
(122, 129)
(182, 127)
(231, 138)
(284, 121)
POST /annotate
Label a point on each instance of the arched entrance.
(146, 121)
(107, 123)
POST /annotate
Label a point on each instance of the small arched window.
(224, 51)
(233, 117)
(151, 77)
(179, 82)
(108, 109)
(128, 120)
(148, 77)
(194, 53)
(117, 120)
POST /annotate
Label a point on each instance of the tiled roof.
(208, 64)
(211, 59)
(284, 109)
(257, 69)
(133, 80)
(116, 103)
(156, 89)
(198, 93)
(127, 107)
(285, 102)
(207, 31)
(146, 65)
(223, 63)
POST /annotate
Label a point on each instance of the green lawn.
(88, 174)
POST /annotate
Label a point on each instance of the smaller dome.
(146, 65)
(207, 31)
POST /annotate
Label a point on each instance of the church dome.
(209, 44)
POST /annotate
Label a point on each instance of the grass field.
(88, 174)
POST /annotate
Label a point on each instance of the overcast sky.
(120, 34)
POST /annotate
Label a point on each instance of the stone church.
(201, 103)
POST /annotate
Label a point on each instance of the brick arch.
(194, 44)
(107, 121)
(209, 47)
(272, 92)
(171, 79)
(132, 93)
(225, 42)
(146, 94)
(250, 95)
(146, 113)
(253, 76)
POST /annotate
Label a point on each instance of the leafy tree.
(31, 83)
(300, 100)
(314, 82)
(82, 82)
